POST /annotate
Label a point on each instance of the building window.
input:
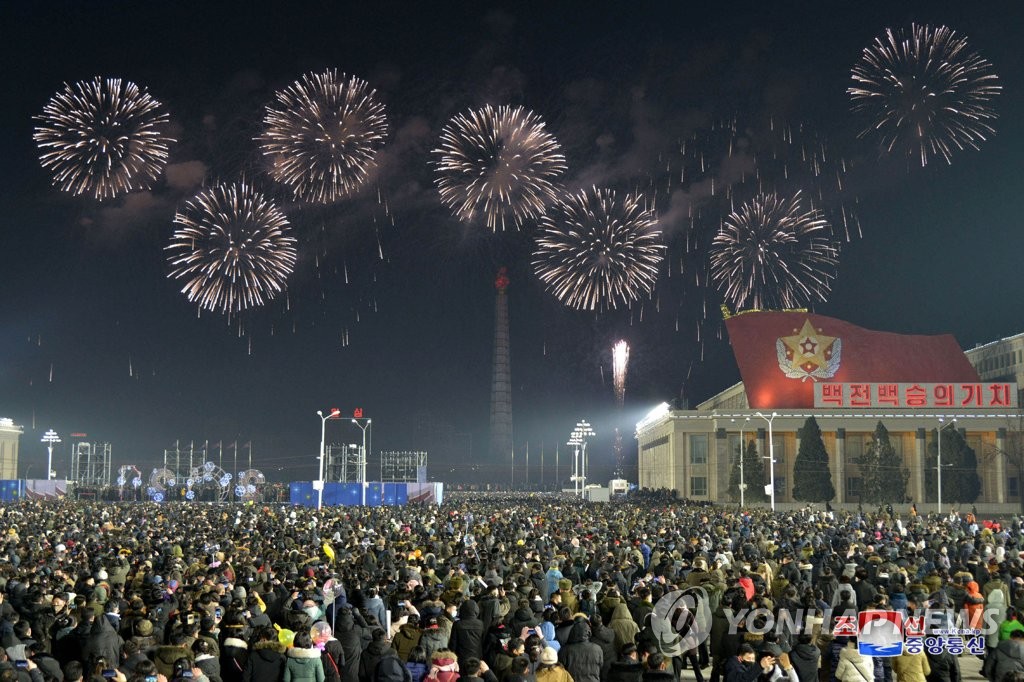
(699, 448)
(1013, 486)
(853, 484)
(698, 486)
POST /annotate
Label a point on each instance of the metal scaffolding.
(403, 467)
(342, 463)
(90, 464)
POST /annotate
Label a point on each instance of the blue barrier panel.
(10, 491)
(302, 493)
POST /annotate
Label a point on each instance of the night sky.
(95, 338)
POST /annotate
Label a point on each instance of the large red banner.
(781, 355)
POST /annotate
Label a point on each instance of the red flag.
(782, 354)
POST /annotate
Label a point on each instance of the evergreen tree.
(812, 480)
(753, 476)
(883, 478)
(960, 481)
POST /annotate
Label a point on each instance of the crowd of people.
(491, 588)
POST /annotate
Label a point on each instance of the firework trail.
(620, 363)
(774, 254)
(596, 251)
(499, 162)
(232, 247)
(103, 137)
(708, 175)
(925, 92)
(322, 134)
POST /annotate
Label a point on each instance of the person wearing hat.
(549, 669)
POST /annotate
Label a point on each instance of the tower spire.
(501, 377)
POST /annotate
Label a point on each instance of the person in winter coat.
(407, 638)
(390, 668)
(974, 604)
(417, 664)
(303, 661)
(234, 652)
(806, 658)
(350, 636)
(432, 638)
(604, 637)
(332, 655)
(945, 667)
(911, 667)
(628, 667)
(102, 641)
(1007, 658)
(467, 638)
(266, 658)
(206, 661)
(165, 656)
(444, 667)
(373, 605)
(853, 667)
(581, 658)
(623, 625)
(372, 655)
(549, 670)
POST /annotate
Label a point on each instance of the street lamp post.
(334, 414)
(938, 465)
(362, 459)
(50, 438)
(771, 453)
(743, 483)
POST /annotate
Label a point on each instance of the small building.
(10, 438)
(797, 365)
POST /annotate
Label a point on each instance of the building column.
(1000, 465)
(715, 492)
(840, 474)
(917, 469)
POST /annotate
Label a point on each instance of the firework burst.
(620, 363)
(322, 135)
(925, 92)
(772, 253)
(597, 251)
(232, 247)
(103, 137)
(500, 162)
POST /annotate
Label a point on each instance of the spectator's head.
(303, 640)
(471, 668)
(548, 656)
(656, 661)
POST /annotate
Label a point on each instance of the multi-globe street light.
(50, 438)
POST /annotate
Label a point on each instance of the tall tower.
(501, 378)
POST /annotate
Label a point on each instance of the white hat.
(549, 656)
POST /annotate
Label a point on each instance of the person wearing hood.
(582, 659)
(303, 662)
(350, 636)
(444, 667)
(102, 641)
(623, 625)
(854, 667)
(974, 605)
(805, 657)
(266, 659)
(1008, 657)
(467, 638)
